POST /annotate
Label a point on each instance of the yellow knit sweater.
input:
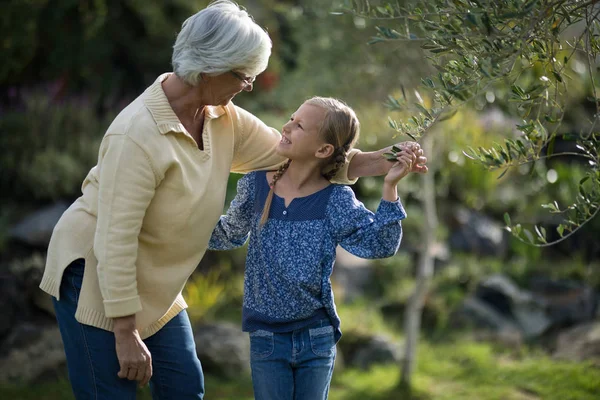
(149, 207)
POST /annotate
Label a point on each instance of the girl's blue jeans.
(294, 365)
(92, 359)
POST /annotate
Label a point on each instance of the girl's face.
(300, 135)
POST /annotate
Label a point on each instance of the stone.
(377, 350)
(579, 343)
(477, 313)
(567, 302)
(31, 350)
(473, 232)
(394, 313)
(36, 229)
(521, 306)
(223, 349)
(488, 323)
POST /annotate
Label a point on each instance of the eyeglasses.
(247, 81)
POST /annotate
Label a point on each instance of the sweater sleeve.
(362, 232)
(127, 183)
(256, 144)
(233, 228)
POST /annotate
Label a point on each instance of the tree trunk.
(414, 308)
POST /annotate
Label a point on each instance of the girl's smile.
(300, 137)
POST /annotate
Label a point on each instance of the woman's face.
(220, 89)
(300, 137)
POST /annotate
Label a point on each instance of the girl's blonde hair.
(340, 128)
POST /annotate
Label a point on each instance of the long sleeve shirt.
(149, 206)
(290, 259)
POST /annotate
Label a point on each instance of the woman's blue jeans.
(294, 365)
(92, 359)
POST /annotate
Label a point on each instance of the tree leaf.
(507, 219)
(503, 173)
(423, 110)
(557, 76)
(529, 235)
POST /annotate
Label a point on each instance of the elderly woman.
(120, 255)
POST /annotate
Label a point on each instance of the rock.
(472, 232)
(431, 316)
(31, 350)
(19, 290)
(36, 229)
(500, 305)
(377, 350)
(567, 302)
(223, 349)
(351, 275)
(527, 310)
(579, 343)
(489, 324)
(475, 312)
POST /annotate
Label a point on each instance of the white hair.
(220, 38)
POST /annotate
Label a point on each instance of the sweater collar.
(164, 116)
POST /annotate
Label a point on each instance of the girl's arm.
(378, 235)
(233, 228)
(362, 232)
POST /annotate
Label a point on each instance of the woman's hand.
(375, 163)
(134, 358)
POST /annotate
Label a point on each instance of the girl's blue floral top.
(287, 282)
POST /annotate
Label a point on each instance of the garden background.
(502, 319)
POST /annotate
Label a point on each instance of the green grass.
(468, 370)
(454, 370)
(240, 389)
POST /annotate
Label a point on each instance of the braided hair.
(278, 174)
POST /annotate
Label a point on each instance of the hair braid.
(278, 174)
(338, 159)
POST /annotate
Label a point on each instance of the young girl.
(295, 218)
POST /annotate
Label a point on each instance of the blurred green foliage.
(70, 66)
(46, 149)
(111, 48)
(539, 68)
(216, 293)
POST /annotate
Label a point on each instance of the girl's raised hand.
(419, 165)
(402, 167)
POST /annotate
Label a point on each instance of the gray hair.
(217, 39)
